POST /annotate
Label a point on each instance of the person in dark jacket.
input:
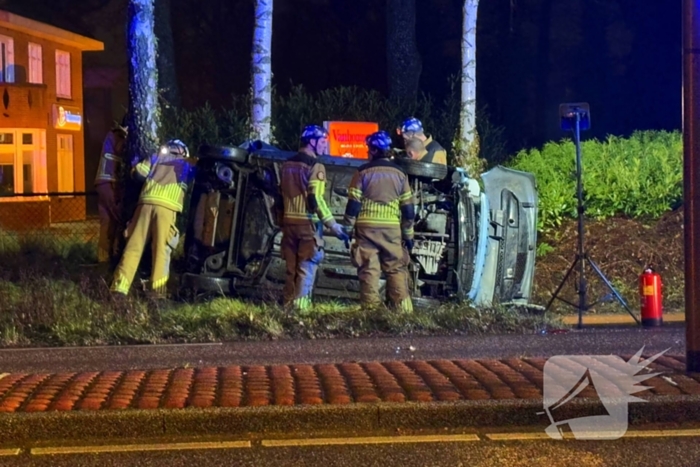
(434, 152)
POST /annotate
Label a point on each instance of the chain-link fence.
(55, 220)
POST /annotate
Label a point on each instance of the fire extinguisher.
(651, 298)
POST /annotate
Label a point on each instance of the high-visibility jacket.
(303, 184)
(435, 153)
(379, 196)
(111, 159)
(167, 179)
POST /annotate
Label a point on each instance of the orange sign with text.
(347, 139)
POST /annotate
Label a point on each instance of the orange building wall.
(30, 106)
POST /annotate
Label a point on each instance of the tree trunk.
(404, 64)
(167, 76)
(261, 71)
(468, 137)
(144, 111)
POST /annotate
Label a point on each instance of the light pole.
(691, 178)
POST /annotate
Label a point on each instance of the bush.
(640, 176)
(229, 125)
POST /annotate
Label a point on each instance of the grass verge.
(49, 299)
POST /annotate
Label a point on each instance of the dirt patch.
(621, 248)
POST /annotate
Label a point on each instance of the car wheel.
(229, 153)
(422, 169)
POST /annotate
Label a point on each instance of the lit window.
(66, 180)
(7, 60)
(22, 162)
(63, 87)
(36, 71)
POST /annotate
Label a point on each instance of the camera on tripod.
(576, 117)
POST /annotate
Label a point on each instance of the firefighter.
(166, 178)
(415, 149)
(303, 184)
(413, 128)
(109, 185)
(380, 206)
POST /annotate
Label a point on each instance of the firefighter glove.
(340, 232)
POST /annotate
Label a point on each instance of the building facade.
(41, 123)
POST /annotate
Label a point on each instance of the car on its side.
(470, 243)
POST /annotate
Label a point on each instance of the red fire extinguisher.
(651, 298)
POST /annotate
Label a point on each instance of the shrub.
(229, 124)
(640, 176)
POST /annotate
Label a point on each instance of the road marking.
(534, 436)
(10, 452)
(662, 433)
(139, 447)
(368, 440)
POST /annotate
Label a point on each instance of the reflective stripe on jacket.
(167, 180)
(303, 184)
(379, 196)
(111, 159)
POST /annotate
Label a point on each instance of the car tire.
(422, 169)
(229, 153)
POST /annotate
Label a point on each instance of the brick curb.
(292, 398)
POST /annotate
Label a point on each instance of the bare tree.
(144, 111)
(261, 72)
(468, 144)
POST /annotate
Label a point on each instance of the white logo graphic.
(611, 379)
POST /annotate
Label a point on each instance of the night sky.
(622, 56)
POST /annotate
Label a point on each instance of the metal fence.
(60, 219)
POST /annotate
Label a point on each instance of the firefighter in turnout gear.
(109, 184)
(303, 184)
(434, 152)
(380, 206)
(167, 176)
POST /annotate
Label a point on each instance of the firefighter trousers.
(378, 250)
(302, 250)
(108, 204)
(157, 224)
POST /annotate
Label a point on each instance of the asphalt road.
(595, 341)
(647, 452)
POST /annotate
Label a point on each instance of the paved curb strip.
(25, 429)
(287, 399)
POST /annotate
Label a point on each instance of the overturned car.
(470, 244)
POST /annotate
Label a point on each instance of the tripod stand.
(573, 114)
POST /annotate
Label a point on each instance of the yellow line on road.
(517, 436)
(535, 436)
(368, 440)
(139, 447)
(10, 452)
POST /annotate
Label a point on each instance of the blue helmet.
(175, 147)
(313, 132)
(411, 125)
(379, 140)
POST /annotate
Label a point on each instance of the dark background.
(622, 56)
